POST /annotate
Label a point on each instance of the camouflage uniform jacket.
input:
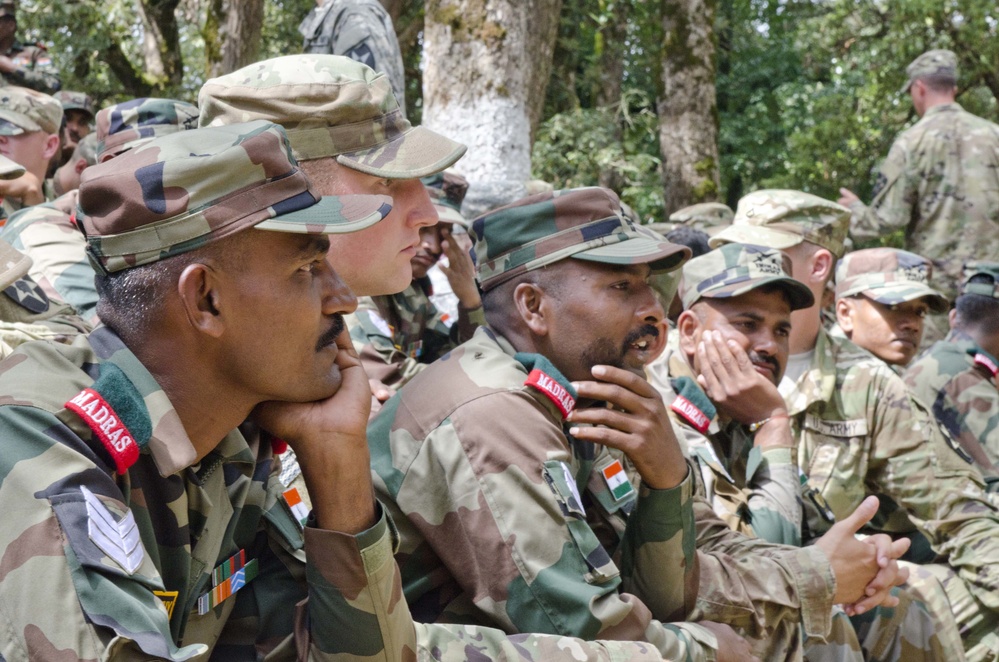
(756, 492)
(958, 381)
(397, 336)
(102, 561)
(361, 30)
(48, 235)
(27, 314)
(34, 68)
(499, 510)
(940, 182)
(860, 432)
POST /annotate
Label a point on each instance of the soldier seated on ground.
(509, 481)
(958, 377)
(882, 299)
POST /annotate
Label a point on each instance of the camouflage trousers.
(978, 626)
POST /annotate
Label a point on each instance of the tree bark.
(487, 68)
(232, 34)
(161, 43)
(688, 113)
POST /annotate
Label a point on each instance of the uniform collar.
(942, 108)
(816, 384)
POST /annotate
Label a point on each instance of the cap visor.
(449, 215)
(9, 128)
(9, 169)
(333, 214)
(13, 264)
(798, 294)
(417, 153)
(755, 234)
(660, 255)
(889, 295)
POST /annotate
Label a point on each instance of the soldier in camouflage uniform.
(29, 133)
(22, 64)
(958, 377)
(940, 181)
(66, 177)
(397, 336)
(48, 233)
(882, 298)
(708, 217)
(510, 515)
(859, 431)
(361, 30)
(78, 109)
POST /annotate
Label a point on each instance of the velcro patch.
(986, 362)
(107, 426)
(552, 390)
(617, 480)
(690, 413)
(854, 428)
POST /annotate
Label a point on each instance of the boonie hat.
(938, 62)
(980, 268)
(780, 218)
(734, 269)
(447, 192)
(135, 122)
(888, 276)
(331, 106)
(583, 223)
(187, 189)
(23, 110)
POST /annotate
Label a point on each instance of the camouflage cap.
(735, 269)
(583, 223)
(132, 123)
(707, 216)
(779, 218)
(10, 169)
(447, 192)
(13, 264)
(184, 190)
(24, 110)
(75, 101)
(889, 276)
(330, 106)
(982, 269)
(939, 62)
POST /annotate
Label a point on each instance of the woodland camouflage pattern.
(233, 178)
(889, 276)
(780, 218)
(330, 106)
(860, 432)
(447, 191)
(361, 30)
(132, 123)
(584, 223)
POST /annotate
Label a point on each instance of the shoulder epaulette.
(691, 404)
(546, 378)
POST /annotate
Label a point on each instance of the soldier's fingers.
(900, 547)
(739, 355)
(625, 379)
(859, 517)
(712, 383)
(605, 436)
(718, 353)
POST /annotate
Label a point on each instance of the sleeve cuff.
(816, 586)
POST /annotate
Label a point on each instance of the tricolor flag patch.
(691, 413)
(298, 509)
(986, 362)
(617, 480)
(552, 390)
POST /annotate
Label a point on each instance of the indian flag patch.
(617, 481)
(297, 506)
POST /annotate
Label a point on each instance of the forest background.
(801, 94)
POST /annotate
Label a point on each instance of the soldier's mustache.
(641, 332)
(330, 336)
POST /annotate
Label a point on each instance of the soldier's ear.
(688, 327)
(198, 289)
(529, 300)
(844, 315)
(952, 318)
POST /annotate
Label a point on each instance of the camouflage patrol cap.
(779, 218)
(184, 190)
(583, 223)
(135, 122)
(447, 191)
(735, 269)
(24, 110)
(888, 276)
(10, 169)
(982, 269)
(707, 216)
(936, 63)
(13, 264)
(75, 101)
(332, 106)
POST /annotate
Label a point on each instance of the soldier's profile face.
(759, 321)
(604, 315)
(892, 333)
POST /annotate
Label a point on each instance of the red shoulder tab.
(552, 390)
(107, 426)
(690, 413)
(278, 446)
(986, 362)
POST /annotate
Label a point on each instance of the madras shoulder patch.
(986, 362)
(690, 413)
(107, 426)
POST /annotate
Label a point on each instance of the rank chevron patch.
(118, 539)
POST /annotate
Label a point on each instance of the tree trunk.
(161, 43)
(232, 34)
(487, 67)
(688, 114)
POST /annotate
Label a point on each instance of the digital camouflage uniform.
(940, 182)
(361, 30)
(958, 381)
(48, 233)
